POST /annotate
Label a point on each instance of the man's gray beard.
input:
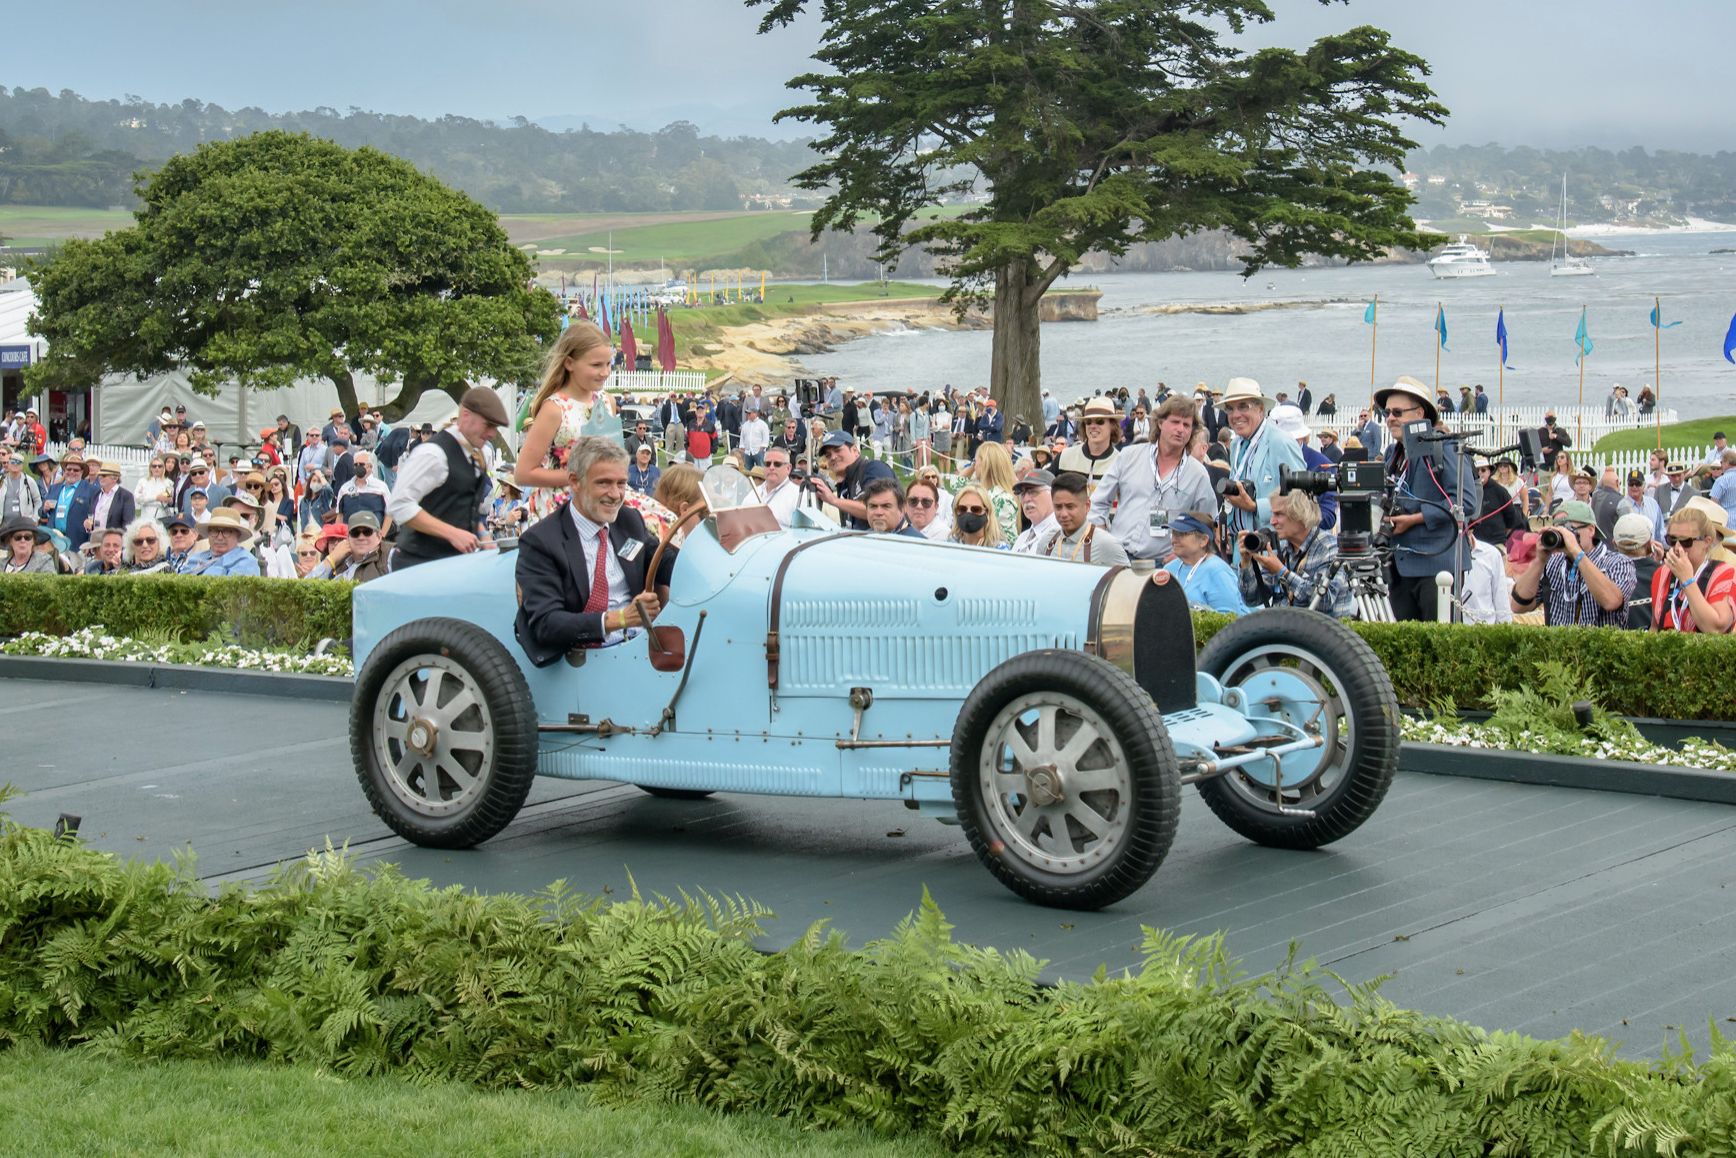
(596, 516)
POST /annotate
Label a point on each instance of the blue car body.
(916, 623)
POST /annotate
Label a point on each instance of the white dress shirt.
(1488, 589)
(419, 473)
(619, 596)
(782, 501)
(1026, 543)
(755, 435)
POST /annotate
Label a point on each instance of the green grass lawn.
(680, 241)
(34, 225)
(64, 1103)
(1696, 433)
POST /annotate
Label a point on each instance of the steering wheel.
(698, 510)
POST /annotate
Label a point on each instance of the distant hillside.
(65, 150)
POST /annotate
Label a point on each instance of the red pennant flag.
(665, 342)
(629, 348)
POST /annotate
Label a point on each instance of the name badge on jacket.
(630, 549)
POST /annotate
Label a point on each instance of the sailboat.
(1570, 266)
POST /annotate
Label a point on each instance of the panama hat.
(1245, 390)
(1414, 389)
(1100, 408)
(1720, 524)
(241, 499)
(225, 518)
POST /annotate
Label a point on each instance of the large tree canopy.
(276, 257)
(1094, 125)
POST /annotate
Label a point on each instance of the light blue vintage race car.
(1052, 710)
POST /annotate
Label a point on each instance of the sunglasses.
(919, 503)
(964, 510)
(141, 541)
(1682, 540)
(21, 536)
(309, 552)
(362, 533)
(180, 530)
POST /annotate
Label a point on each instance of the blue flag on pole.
(1583, 339)
(1441, 326)
(1730, 341)
(1664, 325)
(1368, 314)
(1501, 336)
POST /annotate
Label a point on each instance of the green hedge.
(367, 973)
(1674, 676)
(1669, 675)
(278, 611)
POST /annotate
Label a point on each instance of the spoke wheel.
(1056, 782)
(1064, 779)
(432, 734)
(1312, 672)
(443, 733)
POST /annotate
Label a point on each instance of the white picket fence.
(657, 382)
(1584, 424)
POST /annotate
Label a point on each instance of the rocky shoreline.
(767, 353)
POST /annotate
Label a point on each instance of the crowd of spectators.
(1183, 482)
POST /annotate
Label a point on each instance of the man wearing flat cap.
(1425, 536)
(443, 483)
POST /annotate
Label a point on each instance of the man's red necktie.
(599, 597)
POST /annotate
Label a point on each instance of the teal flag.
(1663, 326)
(1441, 326)
(1368, 314)
(1583, 339)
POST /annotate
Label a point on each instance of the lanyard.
(1245, 456)
(1679, 605)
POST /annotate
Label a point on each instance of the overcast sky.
(1553, 73)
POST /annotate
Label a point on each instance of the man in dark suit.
(67, 504)
(581, 571)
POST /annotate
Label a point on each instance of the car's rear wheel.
(1064, 779)
(443, 733)
(1315, 673)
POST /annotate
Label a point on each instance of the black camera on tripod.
(1360, 487)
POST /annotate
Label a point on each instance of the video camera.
(1359, 486)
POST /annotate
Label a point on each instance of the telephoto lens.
(1551, 539)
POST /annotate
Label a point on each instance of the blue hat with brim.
(838, 438)
(1188, 523)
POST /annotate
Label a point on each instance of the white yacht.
(1462, 259)
(1570, 266)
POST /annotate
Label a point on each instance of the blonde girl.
(569, 403)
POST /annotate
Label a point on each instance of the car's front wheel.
(443, 733)
(1064, 779)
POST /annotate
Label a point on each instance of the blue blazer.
(1428, 548)
(80, 500)
(1272, 448)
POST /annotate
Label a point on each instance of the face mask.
(970, 522)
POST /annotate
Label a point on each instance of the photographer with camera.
(1257, 450)
(1288, 564)
(1431, 500)
(1577, 577)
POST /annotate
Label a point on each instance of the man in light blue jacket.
(1257, 450)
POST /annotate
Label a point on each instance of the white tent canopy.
(125, 406)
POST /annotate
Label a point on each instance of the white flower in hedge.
(95, 643)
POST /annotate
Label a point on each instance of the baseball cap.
(187, 521)
(838, 438)
(366, 519)
(1577, 511)
(1632, 531)
(1188, 523)
(1636, 478)
(1037, 478)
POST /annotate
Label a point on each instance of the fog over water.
(1327, 344)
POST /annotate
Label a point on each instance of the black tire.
(674, 793)
(1361, 724)
(478, 760)
(1134, 808)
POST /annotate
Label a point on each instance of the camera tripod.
(1364, 568)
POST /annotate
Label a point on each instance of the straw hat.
(225, 518)
(1100, 408)
(1245, 390)
(242, 499)
(1720, 522)
(1411, 388)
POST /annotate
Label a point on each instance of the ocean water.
(1325, 342)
